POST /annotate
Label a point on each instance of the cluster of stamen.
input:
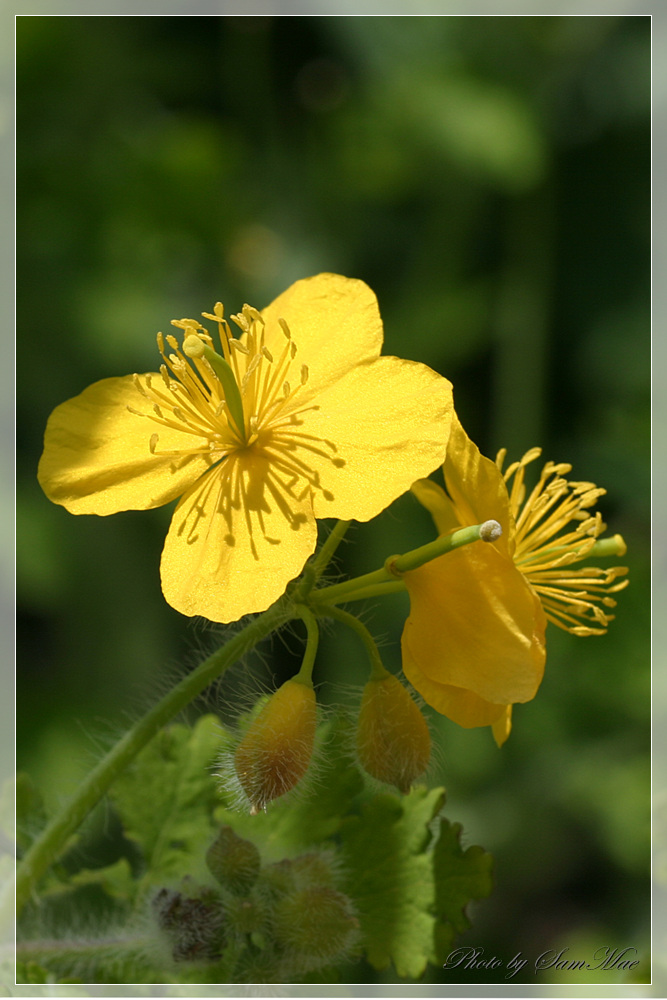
(241, 399)
(554, 529)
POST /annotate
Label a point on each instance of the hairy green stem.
(52, 841)
(392, 586)
(325, 555)
(305, 675)
(69, 955)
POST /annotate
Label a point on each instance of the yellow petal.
(389, 421)
(503, 726)
(97, 457)
(461, 706)
(476, 623)
(437, 503)
(476, 487)
(236, 540)
(335, 324)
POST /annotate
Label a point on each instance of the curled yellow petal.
(477, 625)
(461, 706)
(476, 486)
(437, 503)
(502, 727)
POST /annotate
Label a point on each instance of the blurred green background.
(488, 177)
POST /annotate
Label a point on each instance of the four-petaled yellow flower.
(298, 418)
(474, 642)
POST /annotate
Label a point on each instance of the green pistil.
(196, 348)
(614, 546)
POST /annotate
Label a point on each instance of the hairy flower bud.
(275, 752)
(393, 741)
(245, 915)
(316, 925)
(194, 926)
(234, 862)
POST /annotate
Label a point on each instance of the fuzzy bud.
(194, 926)
(245, 916)
(275, 752)
(314, 868)
(234, 862)
(316, 926)
(393, 741)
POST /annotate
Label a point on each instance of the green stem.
(377, 590)
(69, 956)
(52, 841)
(396, 565)
(314, 568)
(305, 675)
(378, 671)
(325, 555)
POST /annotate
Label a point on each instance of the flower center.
(241, 399)
(554, 529)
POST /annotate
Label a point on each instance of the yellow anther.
(284, 327)
(531, 455)
(254, 313)
(139, 386)
(218, 313)
(240, 321)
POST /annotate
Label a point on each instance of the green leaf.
(459, 877)
(115, 880)
(410, 889)
(390, 878)
(166, 799)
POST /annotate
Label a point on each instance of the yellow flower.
(299, 418)
(474, 643)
